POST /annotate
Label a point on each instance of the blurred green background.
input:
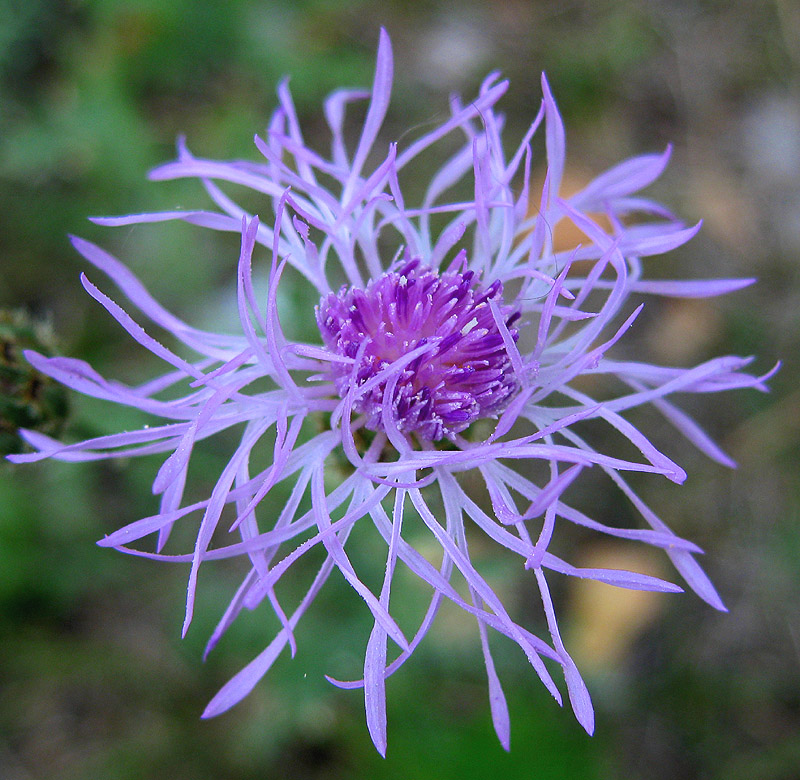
(94, 680)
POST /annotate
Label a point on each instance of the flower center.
(462, 371)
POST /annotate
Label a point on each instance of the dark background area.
(94, 680)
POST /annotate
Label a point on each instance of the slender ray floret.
(451, 335)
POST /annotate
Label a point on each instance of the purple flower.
(441, 350)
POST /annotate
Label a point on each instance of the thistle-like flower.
(450, 335)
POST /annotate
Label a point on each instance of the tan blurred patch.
(606, 620)
(566, 235)
(726, 206)
(686, 327)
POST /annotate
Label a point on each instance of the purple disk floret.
(425, 348)
(464, 375)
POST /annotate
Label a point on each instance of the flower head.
(450, 335)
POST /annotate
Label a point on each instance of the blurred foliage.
(28, 398)
(96, 682)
